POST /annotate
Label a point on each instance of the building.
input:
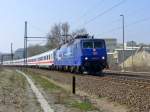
(131, 43)
(128, 51)
(5, 57)
(116, 57)
(111, 44)
(19, 53)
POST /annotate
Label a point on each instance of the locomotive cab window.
(98, 44)
(88, 44)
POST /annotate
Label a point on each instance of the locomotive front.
(94, 55)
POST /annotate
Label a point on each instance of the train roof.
(32, 57)
(42, 54)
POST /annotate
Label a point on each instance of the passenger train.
(83, 54)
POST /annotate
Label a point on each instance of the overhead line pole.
(25, 54)
(123, 41)
(25, 45)
(12, 52)
(132, 57)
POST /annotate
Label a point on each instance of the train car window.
(88, 44)
(98, 44)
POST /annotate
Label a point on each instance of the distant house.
(19, 53)
(128, 51)
(111, 44)
(5, 57)
(131, 43)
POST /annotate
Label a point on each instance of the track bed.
(15, 93)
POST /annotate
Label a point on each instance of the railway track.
(138, 78)
(131, 79)
(126, 88)
(130, 89)
(128, 74)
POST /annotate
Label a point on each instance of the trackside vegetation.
(65, 98)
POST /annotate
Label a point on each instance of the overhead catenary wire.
(139, 21)
(114, 21)
(131, 13)
(128, 25)
(104, 12)
(37, 40)
(94, 7)
(36, 28)
(87, 12)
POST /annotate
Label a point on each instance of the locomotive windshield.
(93, 44)
(88, 44)
(98, 44)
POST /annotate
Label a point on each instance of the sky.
(101, 18)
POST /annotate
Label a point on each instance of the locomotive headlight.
(103, 57)
(86, 58)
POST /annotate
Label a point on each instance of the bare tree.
(36, 49)
(65, 30)
(54, 36)
(59, 34)
(79, 31)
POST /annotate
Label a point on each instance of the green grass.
(46, 84)
(86, 106)
(49, 86)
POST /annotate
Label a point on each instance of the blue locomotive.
(83, 54)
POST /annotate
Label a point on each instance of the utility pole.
(25, 45)
(123, 39)
(132, 57)
(12, 52)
